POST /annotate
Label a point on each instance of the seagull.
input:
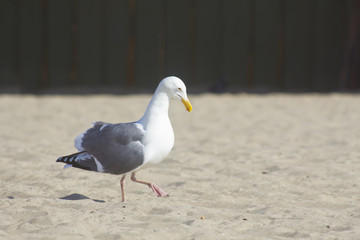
(125, 148)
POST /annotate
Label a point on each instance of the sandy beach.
(244, 166)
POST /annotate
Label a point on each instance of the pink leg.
(155, 188)
(122, 180)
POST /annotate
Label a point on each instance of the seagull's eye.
(179, 89)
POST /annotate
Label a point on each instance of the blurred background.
(213, 45)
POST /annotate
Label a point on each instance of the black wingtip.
(85, 162)
(61, 159)
(68, 159)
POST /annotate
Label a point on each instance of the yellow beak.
(187, 104)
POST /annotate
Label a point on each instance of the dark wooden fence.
(247, 44)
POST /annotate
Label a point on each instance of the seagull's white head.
(176, 89)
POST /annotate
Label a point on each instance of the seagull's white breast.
(158, 141)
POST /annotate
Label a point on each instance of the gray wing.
(117, 147)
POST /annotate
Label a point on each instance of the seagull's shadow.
(77, 196)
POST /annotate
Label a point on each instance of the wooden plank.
(8, 43)
(299, 45)
(59, 43)
(281, 45)
(116, 24)
(31, 42)
(179, 40)
(149, 42)
(330, 36)
(44, 77)
(236, 39)
(250, 71)
(91, 43)
(74, 42)
(267, 22)
(131, 45)
(208, 42)
(350, 77)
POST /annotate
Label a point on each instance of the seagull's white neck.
(157, 108)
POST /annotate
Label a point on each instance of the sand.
(245, 166)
